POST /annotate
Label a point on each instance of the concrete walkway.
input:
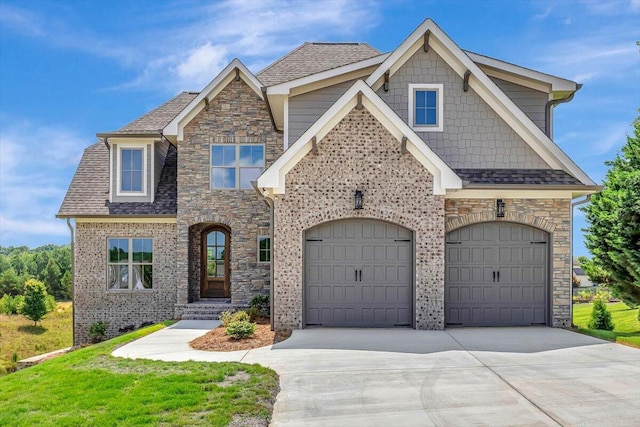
(459, 377)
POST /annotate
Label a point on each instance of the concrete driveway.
(459, 377)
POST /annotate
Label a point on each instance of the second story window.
(131, 170)
(234, 166)
(425, 107)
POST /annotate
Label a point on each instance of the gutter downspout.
(269, 203)
(550, 104)
(586, 199)
(73, 279)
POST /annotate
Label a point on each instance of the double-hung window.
(131, 170)
(426, 107)
(234, 166)
(129, 264)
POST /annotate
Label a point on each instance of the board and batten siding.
(532, 102)
(306, 108)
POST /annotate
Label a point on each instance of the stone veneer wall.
(236, 115)
(93, 302)
(359, 153)
(551, 215)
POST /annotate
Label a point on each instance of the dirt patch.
(232, 379)
(246, 421)
(218, 340)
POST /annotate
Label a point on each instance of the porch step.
(208, 311)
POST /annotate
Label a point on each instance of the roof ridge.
(157, 108)
(277, 61)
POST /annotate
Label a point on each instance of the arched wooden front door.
(215, 263)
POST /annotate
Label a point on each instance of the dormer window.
(131, 171)
(426, 107)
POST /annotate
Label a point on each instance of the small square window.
(425, 107)
(264, 249)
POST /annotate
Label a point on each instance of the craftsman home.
(418, 188)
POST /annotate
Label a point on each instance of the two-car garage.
(360, 273)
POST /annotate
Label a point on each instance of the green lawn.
(627, 327)
(20, 339)
(90, 387)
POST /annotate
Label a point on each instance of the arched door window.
(215, 263)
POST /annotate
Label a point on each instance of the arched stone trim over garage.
(551, 215)
(490, 215)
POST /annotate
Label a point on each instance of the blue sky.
(69, 69)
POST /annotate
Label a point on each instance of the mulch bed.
(218, 340)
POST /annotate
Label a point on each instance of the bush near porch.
(627, 326)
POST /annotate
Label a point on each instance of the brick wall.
(359, 153)
(93, 302)
(235, 115)
(551, 215)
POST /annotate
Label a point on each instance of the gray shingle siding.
(474, 135)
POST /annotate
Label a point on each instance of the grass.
(90, 387)
(20, 339)
(627, 326)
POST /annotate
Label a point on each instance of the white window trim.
(130, 264)
(440, 119)
(237, 166)
(262, 236)
(145, 172)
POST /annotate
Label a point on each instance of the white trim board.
(484, 87)
(272, 181)
(145, 169)
(176, 126)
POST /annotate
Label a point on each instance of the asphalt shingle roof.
(311, 58)
(88, 193)
(158, 118)
(517, 176)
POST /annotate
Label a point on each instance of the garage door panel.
(380, 296)
(517, 296)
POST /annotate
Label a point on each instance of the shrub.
(253, 313)
(35, 295)
(261, 302)
(240, 329)
(585, 295)
(8, 304)
(227, 317)
(603, 294)
(50, 303)
(98, 331)
(600, 316)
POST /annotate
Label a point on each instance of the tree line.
(50, 264)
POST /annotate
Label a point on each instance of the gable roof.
(484, 87)
(311, 58)
(155, 120)
(88, 193)
(175, 127)
(443, 176)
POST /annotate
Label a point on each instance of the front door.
(215, 263)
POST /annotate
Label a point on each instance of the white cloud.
(201, 64)
(36, 164)
(204, 36)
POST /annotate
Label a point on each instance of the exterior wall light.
(358, 200)
(499, 208)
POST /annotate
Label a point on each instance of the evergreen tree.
(613, 216)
